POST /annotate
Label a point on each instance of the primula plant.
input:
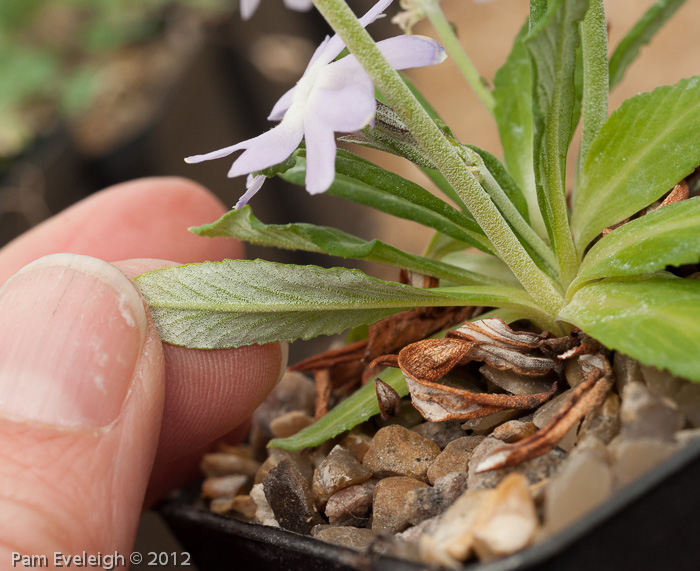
(603, 267)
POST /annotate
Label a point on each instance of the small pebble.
(687, 436)
(514, 430)
(688, 400)
(604, 423)
(295, 391)
(514, 383)
(572, 372)
(397, 451)
(632, 458)
(425, 503)
(290, 423)
(454, 458)
(584, 482)
(442, 433)
(289, 496)
(352, 505)
(241, 506)
(263, 513)
(626, 371)
(340, 469)
(507, 522)
(534, 470)
(389, 498)
(357, 442)
(224, 486)
(300, 459)
(485, 424)
(221, 464)
(451, 539)
(645, 414)
(242, 450)
(661, 383)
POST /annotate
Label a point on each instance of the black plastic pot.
(653, 523)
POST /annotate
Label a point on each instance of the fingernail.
(71, 333)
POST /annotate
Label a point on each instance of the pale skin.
(81, 489)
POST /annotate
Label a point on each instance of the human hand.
(95, 412)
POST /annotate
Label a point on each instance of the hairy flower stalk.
(445, 155)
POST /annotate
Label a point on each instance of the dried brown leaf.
(388, 399)
(585, 398)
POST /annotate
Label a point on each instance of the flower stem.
(444, 154)
(459, 56)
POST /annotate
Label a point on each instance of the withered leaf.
(585, 398)
(388, 399)
(495, 331)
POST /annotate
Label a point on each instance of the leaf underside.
(234, 303)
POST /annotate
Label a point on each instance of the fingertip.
(211, 392)
(145, 218)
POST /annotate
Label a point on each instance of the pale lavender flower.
(248, 7)
(332, 96)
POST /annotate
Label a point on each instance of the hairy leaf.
(669, 236)
(240, 302)
(365, 183)
(553, 45)
(512, 94)
(242, 224)
(650, 143)
(594, 45)
(641, 34)
(356, 409)
(653, 320)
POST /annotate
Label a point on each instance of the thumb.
(81, 399)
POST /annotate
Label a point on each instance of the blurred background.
(96, 92)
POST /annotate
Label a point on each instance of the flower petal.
(248, 8)
(220, 153)
(281, 106)
(299, 5)
(404, 52)
(253, 184)
(270, 148)
(345, 110)
(320, 154)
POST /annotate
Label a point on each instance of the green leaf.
(594, 45)
(482, 264)
(233, 303)
(365, 183)
(242, 224)
(356, 409)
(669, 236)
(553, 45)
(653, 320)
(641, 34)
(650, 143)
(512, 93)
